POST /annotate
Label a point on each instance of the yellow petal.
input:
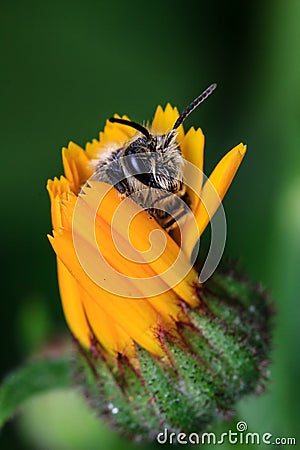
(108, 333)
(118, 268)
(72, 305)
(143, 312)
(58, 187)
(211, 196)
(164, 120)
(137, 318)
(168, 308)
(192, 147)
(113, 137)
(133, 246)
(107, 253)
(76, 166)
(58, 190)
(150, 251)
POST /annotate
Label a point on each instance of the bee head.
(156, 160)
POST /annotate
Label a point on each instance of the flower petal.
(192, 147)
(211, 196)
(164, 120)
(58, 190)
(113, 137)
(136, 289)
(108, 333)
(85, 317)
(137, 318)
(71, 298)
(76, 166)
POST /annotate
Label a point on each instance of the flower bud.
(218, 355)
(157, 348)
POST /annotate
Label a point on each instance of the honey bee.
(149, 169)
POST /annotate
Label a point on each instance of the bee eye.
(138, 163)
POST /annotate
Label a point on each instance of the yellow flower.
(96, 314)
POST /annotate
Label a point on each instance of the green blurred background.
(68, 65)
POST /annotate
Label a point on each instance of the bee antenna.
(194, 105)
(131, 124)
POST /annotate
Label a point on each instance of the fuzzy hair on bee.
(149, 168)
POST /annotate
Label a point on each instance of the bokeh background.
(68, 65)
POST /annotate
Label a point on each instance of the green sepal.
(220, 354)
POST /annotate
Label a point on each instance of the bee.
(149, 168)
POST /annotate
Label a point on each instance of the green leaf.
(31, 379)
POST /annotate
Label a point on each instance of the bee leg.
(118, 183)
(116, 177)
(169, 225)
(121, 187)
